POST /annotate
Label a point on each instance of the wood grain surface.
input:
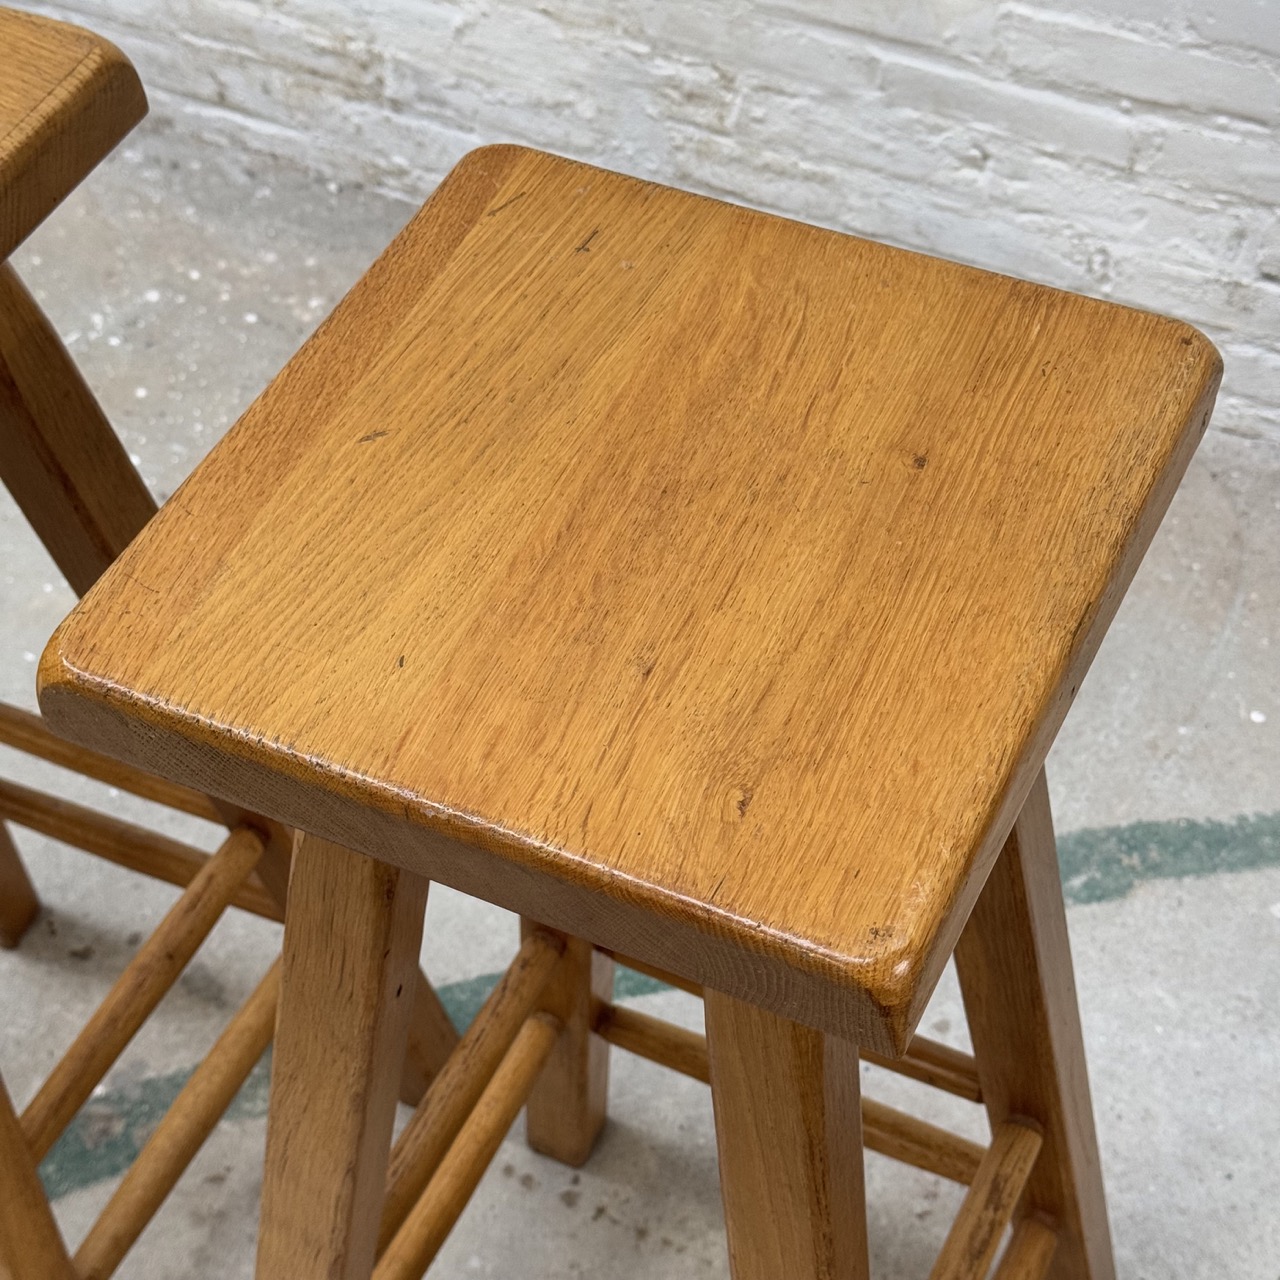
(66, 98)
(701, 583)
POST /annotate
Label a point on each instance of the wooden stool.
(66, 98)
(708, 588)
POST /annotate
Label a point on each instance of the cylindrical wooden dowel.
(934, 1064)
(123, 843)
(916, 1142)
(182, 1132)
(453, 1093)
(432, 1218)
(659, 1041)
(892, 1133)
(1030, 1251)
(652, 971)
(988, 1206)
(138, 990)
(30, 1243)
(28, 732)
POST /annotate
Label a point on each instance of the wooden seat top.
(701, 581)
(66, 98)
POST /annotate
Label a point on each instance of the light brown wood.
(1030, 1251)
(890, 1132)
(457, 1088)
(652, 1038)
(988, 1206)
(726, 577)
(567, 1106)
(788, 1129)
(19, 904)
(66, 98)
(432, 1038)
(124, 843)
(934, 1064)
(433, 1217)
(27, 732)
(916, 1142)
(59, 458)
(1014, 962)
(181, 1133)
(31, 1246)
(351, 943)
(151, 972)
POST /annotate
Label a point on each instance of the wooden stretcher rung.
(441, 1204)
(989, 1204)
(123, 843)
(181, 1133)
(1030, 1251)
(925, 1060)
(913, 1141)
(455, 1091)
(652, 971)
(151, 972)
(27, 732)
(653, 1038)
(892, 1133)
(934, 1064)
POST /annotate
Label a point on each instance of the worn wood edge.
(916, 988)
(694, 941)
(51, 155)
(24, 731)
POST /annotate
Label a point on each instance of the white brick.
(1246, 24)
(1119, 65)
(996, 134)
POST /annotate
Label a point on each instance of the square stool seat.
(704, 583)
(67, 96)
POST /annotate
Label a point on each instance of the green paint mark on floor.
(1102, 863)
(1098, 865)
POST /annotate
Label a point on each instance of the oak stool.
(67, 97)
(707, 588)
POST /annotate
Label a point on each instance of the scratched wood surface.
(66, 98)
(699, 582)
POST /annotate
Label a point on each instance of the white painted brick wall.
(1128, 148)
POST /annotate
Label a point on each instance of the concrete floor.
(182, 279)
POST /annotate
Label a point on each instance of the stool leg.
(1014, 963)
(352, 933)
(19, 905)
(31, 1246)
(789, 1132)
(566, 1109)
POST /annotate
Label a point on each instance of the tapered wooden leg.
(566, 1109)
(19, 905)
(352, 933)
(1015, 971)
(789, 1132)
(31, 1246)
(432, 1038)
